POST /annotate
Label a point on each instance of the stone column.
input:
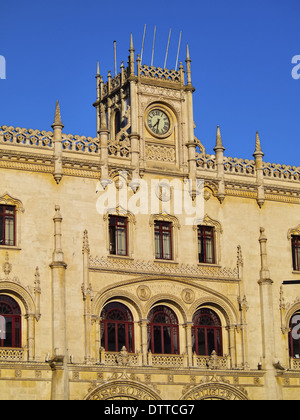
(144, 337)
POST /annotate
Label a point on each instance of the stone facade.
(62, 273)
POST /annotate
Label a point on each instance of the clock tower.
(145, 120)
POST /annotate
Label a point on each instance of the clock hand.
(158, 121)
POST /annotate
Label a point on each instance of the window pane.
(158, 254)
(167, 245)
(121, 241)
(2, 328)
(1, 230)
(112, 238)
(157, 339)
(296, 252)
(175, 341)
(130, 338)
(121, 337)
(9, 230)
(201, 341)
(167, 340)
(210, 341)
(201, 249)
(17, 332)
(8, 342)
(111, 337)
(219, 343)
(209, 250)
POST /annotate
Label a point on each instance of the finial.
(57, 118)
(188, 58)
(258, 151)
(131, 44)
(188, 66)
(219, 144)
(131, 57)
(98, 69)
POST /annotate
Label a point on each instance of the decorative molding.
(208, 221)
(160, 153)
(216, 389)
(8, 200)
(164, 217)
(122, 389)
(119, 211)
(294, 231)
(162, 269)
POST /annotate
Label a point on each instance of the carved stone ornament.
(144, 293)
(7, 267)
(215, 391)
(188, 296)
(122, 390)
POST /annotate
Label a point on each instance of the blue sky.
(241, 54)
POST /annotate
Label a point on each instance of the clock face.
(158, 122)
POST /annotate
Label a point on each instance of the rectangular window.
(118, 236)
(163, 240)
(296, 252)
(206, 244)
(7, 225)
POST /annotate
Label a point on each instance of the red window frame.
(116, 224)
(161, 319)
(207, 322)
(10, 314)
(117, 317)
(7, 212)
(296, 252)
(160, 230)
(206, 234)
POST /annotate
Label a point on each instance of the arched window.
(294, 336)
(10, 322)
(163, 333)
(207, 333)
(117, 328)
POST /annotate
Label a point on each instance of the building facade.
(103, 301)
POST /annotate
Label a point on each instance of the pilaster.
(267, 323)
(58, 363)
